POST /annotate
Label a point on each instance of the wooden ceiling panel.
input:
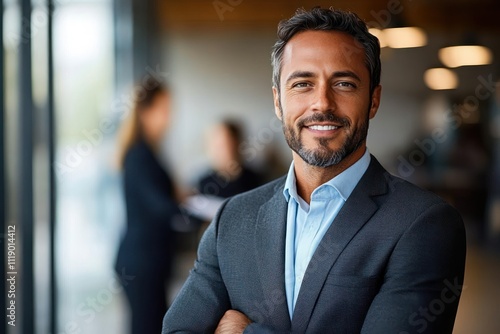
(255, 12)
(443, 15)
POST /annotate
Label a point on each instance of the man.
(338, 245)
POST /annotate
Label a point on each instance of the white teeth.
(323, 127)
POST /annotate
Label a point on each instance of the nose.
(324, 100)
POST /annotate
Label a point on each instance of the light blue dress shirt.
(308, 223)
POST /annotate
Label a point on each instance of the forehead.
(333, 50)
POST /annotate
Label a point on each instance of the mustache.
(324, 117)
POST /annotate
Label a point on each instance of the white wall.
(215, 73)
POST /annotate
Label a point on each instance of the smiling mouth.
(323, 130)
(323, 127)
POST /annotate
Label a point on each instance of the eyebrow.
(346, 74)
(308, 74)
(300, 74)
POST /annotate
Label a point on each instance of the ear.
(277, 110)
(375, 102)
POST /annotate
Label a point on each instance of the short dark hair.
(234, 128)
(331, 19)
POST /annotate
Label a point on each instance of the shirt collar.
(344, 183)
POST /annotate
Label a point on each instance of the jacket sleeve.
(255, 328)
(424, 277)
(203, 299)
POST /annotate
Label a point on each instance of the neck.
(151, 141)
(310, 177)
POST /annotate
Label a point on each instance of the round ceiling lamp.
(465, 55)
(440, 79)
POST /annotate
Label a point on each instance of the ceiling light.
(465, 55)
(440, 78)
(406, 37)
(380, 35)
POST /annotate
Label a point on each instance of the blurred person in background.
(229, 176)
(146, 251)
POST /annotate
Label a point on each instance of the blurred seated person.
(229, 176)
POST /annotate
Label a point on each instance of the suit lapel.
(357, 210)
(270, 253)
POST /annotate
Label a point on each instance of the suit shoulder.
(386, 186)
(245, 206)
(259, 195)
(406, 189)
(239, 213)
(417, 201)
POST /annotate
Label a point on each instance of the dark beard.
(323, 156)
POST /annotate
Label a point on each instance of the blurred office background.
(69, 67)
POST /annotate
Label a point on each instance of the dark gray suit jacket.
(391, 262)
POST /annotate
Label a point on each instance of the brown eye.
(301, 85)
(346, 84)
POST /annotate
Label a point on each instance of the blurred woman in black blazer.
(147, 249)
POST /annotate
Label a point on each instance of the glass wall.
(89, 208)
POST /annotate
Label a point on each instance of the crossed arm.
(420, 292)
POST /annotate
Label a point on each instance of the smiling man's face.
(324, 100)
